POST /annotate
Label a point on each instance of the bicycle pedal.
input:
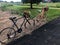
(33, 24)
(0, 32)
(19, 30)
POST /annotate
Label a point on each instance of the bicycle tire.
(5, 32)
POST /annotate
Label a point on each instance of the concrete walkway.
(48, 34)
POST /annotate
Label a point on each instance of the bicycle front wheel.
(6, 34)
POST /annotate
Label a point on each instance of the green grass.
(44, 4)
(20, 10)
(51, 14)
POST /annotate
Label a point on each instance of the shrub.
(3, 7)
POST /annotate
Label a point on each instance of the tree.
(31, 2)
(55, 0)
(5, 1)
(11, 1)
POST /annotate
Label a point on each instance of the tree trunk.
(31, 4)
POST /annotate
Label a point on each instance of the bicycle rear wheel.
(6, 34)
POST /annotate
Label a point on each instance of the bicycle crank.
(19, 30)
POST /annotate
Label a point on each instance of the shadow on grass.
(29, 8)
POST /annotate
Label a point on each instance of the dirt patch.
(5, 22)
(4, 19)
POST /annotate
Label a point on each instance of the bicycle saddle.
(12, 18)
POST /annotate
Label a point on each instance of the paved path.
(48, 34)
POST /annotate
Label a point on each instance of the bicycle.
(10, 32)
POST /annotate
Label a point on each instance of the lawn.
(51, 14)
